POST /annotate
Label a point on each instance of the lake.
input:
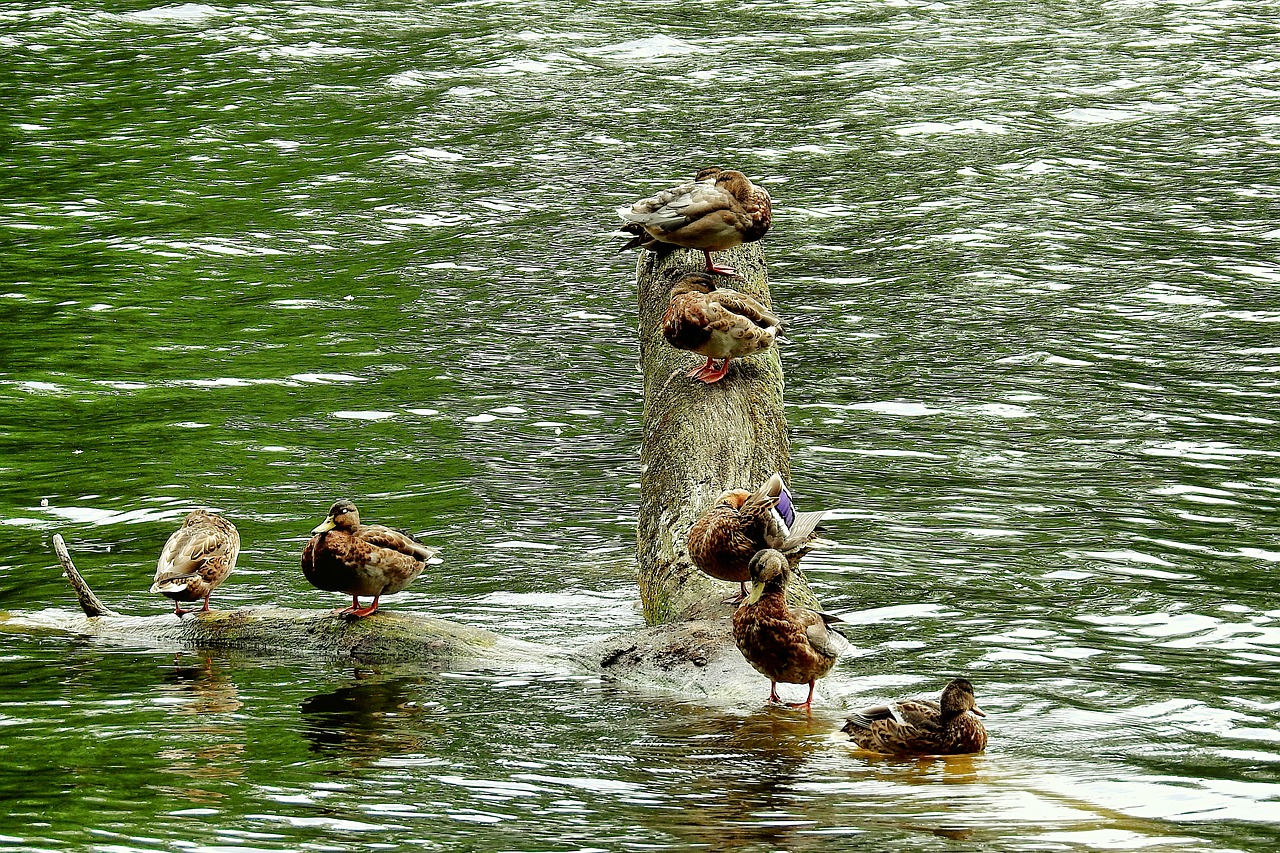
(259, 257)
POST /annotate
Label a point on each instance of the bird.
(723, 541)
(197, 557)
(791, 644)
(642, 239)
(922, 726)
(344, 555)
(718, 323)
(714, 215)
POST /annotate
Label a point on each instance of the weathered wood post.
(700, 440)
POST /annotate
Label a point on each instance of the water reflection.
(366, 719)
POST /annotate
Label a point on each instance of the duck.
(196, 558)
(642, 239)
(722, 542)
(716, 322)
(790, 644)
(344, 555)
(949, 726)
(714, 215)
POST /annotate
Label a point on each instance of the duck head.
(769, 571)
(957, 697)
(343, 515)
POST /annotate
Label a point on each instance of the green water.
(258, 257)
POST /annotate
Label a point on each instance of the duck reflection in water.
(368, 716)
(205, 740)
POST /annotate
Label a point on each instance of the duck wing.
(825, 640)
(197, 550)
(745, 306)
(395, 540)
(673, 209)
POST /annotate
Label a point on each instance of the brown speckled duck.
(711, 215)
(197, 557)
(723, 541)
(922, 726)
(642, 239)
(718, 323)
(361, 559)
(791, 644)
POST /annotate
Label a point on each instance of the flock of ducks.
(749, 536)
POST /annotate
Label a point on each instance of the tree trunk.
(700, 440)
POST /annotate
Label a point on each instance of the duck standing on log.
(723, 541)
(791, 644)
(922, 726)
(711, 215)
(197, 557)
(361, 559)
(642, 239)
(718, 323)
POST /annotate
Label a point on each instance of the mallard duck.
(642, 239)
(723, 541)
(717, 323)
(711, 215)
(344, 555)
(197, 557)
(922, 726)
(791, 644)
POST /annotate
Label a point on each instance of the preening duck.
(197, 557)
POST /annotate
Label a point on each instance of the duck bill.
(324, 526)
(975, 709)
(757, 590)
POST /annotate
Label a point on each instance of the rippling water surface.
(261, 256)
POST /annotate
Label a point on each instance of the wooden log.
(385, 636)
(700, 440)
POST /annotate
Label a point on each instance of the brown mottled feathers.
(712, 215)
(792, 645)
(922, 726)
(361, 559)
(726, 537)
(642, 239)
(717, 322)
(196, 558)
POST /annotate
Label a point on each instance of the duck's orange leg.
(719, 270)
(773, 693)
(358, 612)
(808, 702)
(709, 373)
(694, 371)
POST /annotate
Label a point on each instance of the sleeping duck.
(711, 215)
(718, 323)
(197, 557)
(723, 541)
(642, 239)
(361, 559)
(922, 726)
(791, 644)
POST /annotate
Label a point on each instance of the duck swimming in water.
(922, 726)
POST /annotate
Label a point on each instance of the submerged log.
(700, 440)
